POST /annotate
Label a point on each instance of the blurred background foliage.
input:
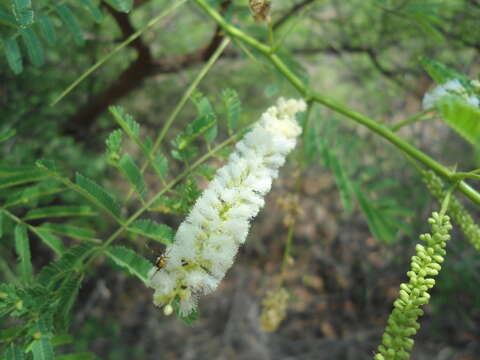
(346, 269)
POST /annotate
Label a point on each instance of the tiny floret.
(207, 241)
(451, 87)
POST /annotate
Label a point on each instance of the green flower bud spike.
(456, 210)
(402, 324)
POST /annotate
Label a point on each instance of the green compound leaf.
(7, 134)
(133, 174)
(23, 12)
(121, 5)
(47, 29)
(14, 56)
(14, 352)
(93, 9)
(461, 117)
(65, 265)
(129, 260)
(22, 247)
(72, 231)
(153, 230)
(98, 195)
(71, 22)
(42, 349)
(233, 108)
(34, 47)
(51, 241)
(59, 211)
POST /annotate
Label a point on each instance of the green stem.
(119, 47)
(411, 120)
(373, 125)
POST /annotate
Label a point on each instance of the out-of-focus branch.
(135, 74)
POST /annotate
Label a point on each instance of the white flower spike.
(451, 87)
(207, 241)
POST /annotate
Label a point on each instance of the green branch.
(309, 94)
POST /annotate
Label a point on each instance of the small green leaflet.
(34, 47)
(1, 224)
(381, 228)
(72, 231)
(62, 339)
(121, 5)
(343, 182)
(26, 195)
(66, 264)
(205, 109)
(6, 18)
(42, 349)
(23, 12)
(51, 241)
(93, 9)
(98, 195)
(133, 174)
(22, 247)
(71, 22)
(461, 117)
(153, 230)
(233, 108)
(68, 292)
(14, 57)
(134, 263)
(114, 146)
(196, 128)
(13, 352)
(441, 73)
(47, 29)
(59, 211)
(160, 164)
(7, 134)
(126, 122)
(22, 178)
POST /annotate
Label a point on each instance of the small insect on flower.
(160, 262)
(260, 10)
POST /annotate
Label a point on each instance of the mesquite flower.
(207, 241)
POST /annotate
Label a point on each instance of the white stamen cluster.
(207, 241)
(451, 87)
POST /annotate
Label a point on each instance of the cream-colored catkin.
(456, 210)
(207, 241)
(402, 324)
